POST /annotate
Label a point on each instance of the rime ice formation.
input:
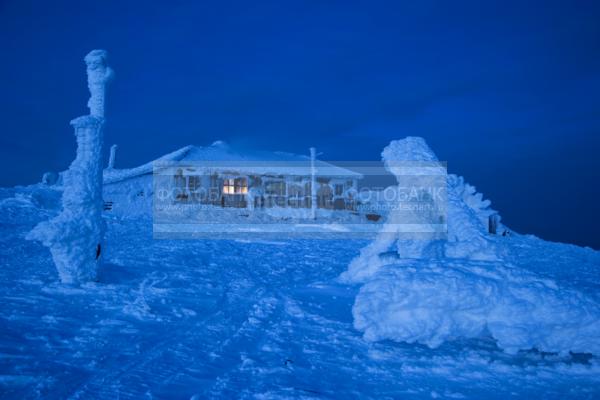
(49, 178)
(414, 164)
(75, 236)
(473, 199)
(99, 74)
(431, 291)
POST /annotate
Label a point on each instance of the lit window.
(235, 186)
(228, 186)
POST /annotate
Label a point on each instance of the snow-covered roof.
(221, 156)
(112, 175)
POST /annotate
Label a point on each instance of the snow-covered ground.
(251, 318)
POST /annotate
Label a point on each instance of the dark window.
(275, 188)
(193, 183)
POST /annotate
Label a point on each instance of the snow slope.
(242, 319)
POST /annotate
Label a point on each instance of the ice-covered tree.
(431, 290)
(442, 226)
(472, 198)
(75, 236)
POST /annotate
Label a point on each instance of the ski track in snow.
(242, 319)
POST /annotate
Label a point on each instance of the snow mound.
(430, 290)
(432, 303)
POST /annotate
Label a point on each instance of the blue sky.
(506, 92)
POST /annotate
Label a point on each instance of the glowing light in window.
(235, 186)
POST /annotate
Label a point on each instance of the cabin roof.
(221, 156)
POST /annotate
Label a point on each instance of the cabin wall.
(134, 196)
(130, 197)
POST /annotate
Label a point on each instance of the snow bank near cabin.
(432, 303)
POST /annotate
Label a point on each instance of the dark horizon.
(507, 93)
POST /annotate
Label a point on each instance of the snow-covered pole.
(493, 223)
(313, 184)
(75, 236)
(113, 154)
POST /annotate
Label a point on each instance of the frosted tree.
(49, 178)
(474, 199)
(98, 75)
(419, 234)
(430, 290)
(75, 236)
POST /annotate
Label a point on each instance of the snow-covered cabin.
(218, 175)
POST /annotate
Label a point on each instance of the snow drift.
(430, 303)
(430, 291)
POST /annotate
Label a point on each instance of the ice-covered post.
(75, 236)
(313, 184)
(113, 154)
